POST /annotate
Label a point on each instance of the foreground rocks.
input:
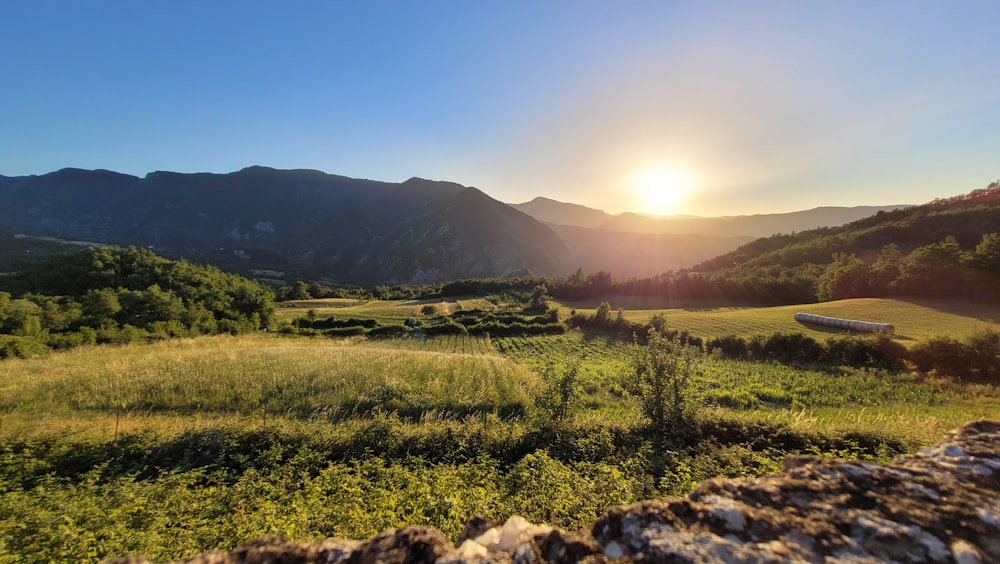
(940, 505)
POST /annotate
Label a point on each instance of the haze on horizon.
(723, 108)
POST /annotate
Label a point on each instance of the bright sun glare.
(660, 189)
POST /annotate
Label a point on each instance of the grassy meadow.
(914, 319)
(382, 310)
(177, 446)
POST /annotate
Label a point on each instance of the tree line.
(116, 295)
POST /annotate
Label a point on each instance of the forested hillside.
(947, 248)
(114, 295)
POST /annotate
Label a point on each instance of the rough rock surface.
(940, 505)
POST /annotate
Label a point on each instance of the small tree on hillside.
(987, 255)
(538, 296)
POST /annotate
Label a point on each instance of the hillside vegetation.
(947, 248)
(112, 295)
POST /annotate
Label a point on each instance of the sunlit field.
(335, 380)
(391, 310)
(914, 319)
(174, 447)
(298, 378)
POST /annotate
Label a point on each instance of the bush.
(388, 331)
(977, 359)
(447, 327)
(344, 331)
(12, 346)
(561, 392)
(662, 370)
(729, 345)
(791, 348)
(795, 348)
(879, 351)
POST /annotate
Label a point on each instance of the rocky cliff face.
(940, 505)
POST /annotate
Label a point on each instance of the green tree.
(100, 306)
(538, 296)
(845, 277)
(4, 305)
(883, 275)
(300, 291)
(23, 318)
(987, 255)
(936, 270)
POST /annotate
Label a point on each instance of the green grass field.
(383, 310)
(915, 320)
(298, 378)
(178, 446)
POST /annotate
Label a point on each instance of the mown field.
(174, 447)
(914, 319)
(382, 310)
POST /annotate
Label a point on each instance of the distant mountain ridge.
(317, 224)
(283, 225)
(761, 225)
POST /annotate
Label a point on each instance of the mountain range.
(754, 226)
(283, 225)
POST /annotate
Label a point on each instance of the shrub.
(12, 346)
(562, 390)
(791, 348)
(977, 359)
(447, 327)
(662, 370)
(388, 331)
(731, 346)
(344, 331)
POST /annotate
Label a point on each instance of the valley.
(142, 396)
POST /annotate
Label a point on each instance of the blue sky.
(768, 106)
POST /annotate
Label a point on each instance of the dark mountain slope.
(451, 241)
(317, 224)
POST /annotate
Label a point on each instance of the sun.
(660, 189)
